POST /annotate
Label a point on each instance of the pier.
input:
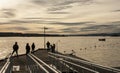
(43, 61)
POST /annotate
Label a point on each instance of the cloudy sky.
(60, 16)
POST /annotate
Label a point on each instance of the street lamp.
(44, 36)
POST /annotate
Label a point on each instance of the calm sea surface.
(106, 53)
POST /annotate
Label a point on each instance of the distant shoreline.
(11, 34)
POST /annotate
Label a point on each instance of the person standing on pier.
(27, 48)
(15, 48)
(33, 47)
(53, 48)
(48, 45)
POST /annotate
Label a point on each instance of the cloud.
(59, 5)
(72, 23)
(7, 13)
(108, 27)
(27, 21)
(16, 22)
(22, 21)
(58, 8)
(47, 21)
(2, 23)
(95, 27)
(39, 18)
(62, 15)
(59, 2)
(58, 12)
(69, 2)
(71, 30)
(115, 22)
(17, 28)
(116, 10)
(40, 2)
(47, 28)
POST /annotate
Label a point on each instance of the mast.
(44, 37)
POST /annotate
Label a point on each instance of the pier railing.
(42, 64)
(91, 66)
(72, 66)
(6, 65)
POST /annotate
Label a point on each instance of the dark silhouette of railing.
(83, 64)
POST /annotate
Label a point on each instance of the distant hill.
(11, 34)
(98, 34)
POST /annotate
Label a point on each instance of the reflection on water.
(106, 53)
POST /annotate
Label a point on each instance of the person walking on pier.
(48, 45)
(33, 47)
(15, 48)
(27, 48)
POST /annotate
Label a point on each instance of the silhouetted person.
(27, 48)
(33, 47)
(64, 52)
(95, 46)
(53, 48)
(15, 48)
(73, 52)
(48, 45)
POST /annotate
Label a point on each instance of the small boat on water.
(102, 39)
(43, 61)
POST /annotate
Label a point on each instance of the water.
(105, 53)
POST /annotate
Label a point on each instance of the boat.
(44, 61)
(102, 39)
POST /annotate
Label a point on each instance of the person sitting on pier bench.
(27, 48)
(15, 48)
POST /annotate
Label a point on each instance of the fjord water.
(90, 48)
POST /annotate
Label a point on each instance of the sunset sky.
(60, 16)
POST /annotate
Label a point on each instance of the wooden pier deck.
(43, 61)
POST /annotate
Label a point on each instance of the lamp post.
(44, 37)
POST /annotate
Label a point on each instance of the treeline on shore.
(11, 34)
